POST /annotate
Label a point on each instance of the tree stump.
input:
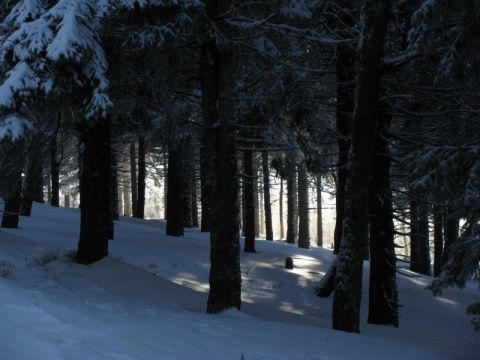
(288, 263)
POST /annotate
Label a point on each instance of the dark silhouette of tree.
(266, 196)
(348, 281)
(225, 275)
(174, 194)
(95, 158)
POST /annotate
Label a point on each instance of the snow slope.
(148, 300)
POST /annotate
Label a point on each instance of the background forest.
(374, 102)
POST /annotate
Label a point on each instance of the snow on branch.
(20, 82)
(417, 35)
(13, 127)
(24, 11)
(185, 4)
(59, 52)
(74, 36)
(296, 9)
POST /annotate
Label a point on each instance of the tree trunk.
(414, 240)
(141, 180)
(209, 89)
(256, 208)
(319, 211)
(383, 293)
(451, 233)
(348, 281)
(344, 111)
(33, 187)
(165, 185)
(291, 194)
(437, 240)
(280, 210)
(424, 242)
(115, 201)
(55, 162)
(260, 202)
(187, 164)
(94, 192)
(266, 197)
(174, 195)
(303, 226)
(242, 195)
(127, 195)
(193, 189)
(133, 177)
(120, 195)
(114, 214)
(249, 205)
(225, 275)
(11, 210)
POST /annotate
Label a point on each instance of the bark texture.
(225, 276)
(95, 157)
(383, 293)
(348, 281)
(266, 197)
(303, 225)
(174, 194)
(249, 203)
(141, 180)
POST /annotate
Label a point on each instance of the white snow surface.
(147, 300)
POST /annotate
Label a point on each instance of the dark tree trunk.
(139, 211)
(209, 84)
(165, 185)
(423, 240)
(225, 275)
(249, 205)
(187, 164)
(451, 232)
(33, 187)
(303, 226)
(348, 281)
(344, 111)
(291, 194)
(241, 192)
(319, 211)
(95, 173)
(133, 176)
(174, 195)
(193, 189)
(266, 197)
(414, 240)
(205, 190)
(114, 214)
(260, 202)
(114, 187)
(11, 210)
(437, 240)
(280, 210)
(55, 162)
(383, 293)
(256, 208)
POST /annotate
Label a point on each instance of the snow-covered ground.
(148, 300)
